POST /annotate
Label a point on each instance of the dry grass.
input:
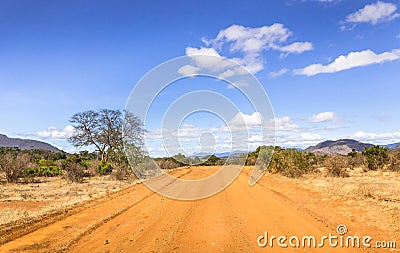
(21, 201)
(375, 193)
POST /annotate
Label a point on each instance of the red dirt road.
(140, 220)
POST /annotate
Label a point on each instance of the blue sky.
(330, 67)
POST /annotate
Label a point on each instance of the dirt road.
(139, 220)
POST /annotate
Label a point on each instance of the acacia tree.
(376, 156)
(104, 130)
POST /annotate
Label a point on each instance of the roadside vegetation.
(22, 166)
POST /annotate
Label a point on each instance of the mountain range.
(341, 147)
(26, 144)
(393, 145)
(222, 154)
(338, 147)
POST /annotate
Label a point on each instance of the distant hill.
(340, 147)
(26, 144)
(220, 155)
(393, 145)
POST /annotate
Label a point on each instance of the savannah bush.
(292, 162)
(377, 157)
(43, 171)
(336, 166)
(104, 167)
(74, 173)
(13, 165)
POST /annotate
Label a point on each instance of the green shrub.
(43, 171)
(262, 152)
(291, 162)
(59, 156)
(77, 159)
(104, 167)
(376, 156)
(44, 163)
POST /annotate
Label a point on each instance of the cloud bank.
(352, 60)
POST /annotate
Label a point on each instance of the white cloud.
(253, 63)
(333, 127)
(214, 63)
(377, 138)
(352, 60)
(323, 117)
(398, 36)
(190, 51)
(303, 140)
(252, 40)
(209, 59)
(310, 137)
(189, 139)
(374, 13)
(54, 133)
(242, 119)
(256, 139)
(285, 124)
(190, 131)
(297, 47)
(249, 43)
(153, 134)
(278, 73)
(188, 70)
(288, 134)
(184, 131)
(227, 74)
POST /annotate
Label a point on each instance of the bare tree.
(88, 131)
(13, 165)
(74, 172)
(108, 131)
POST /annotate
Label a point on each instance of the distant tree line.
(180, 160)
